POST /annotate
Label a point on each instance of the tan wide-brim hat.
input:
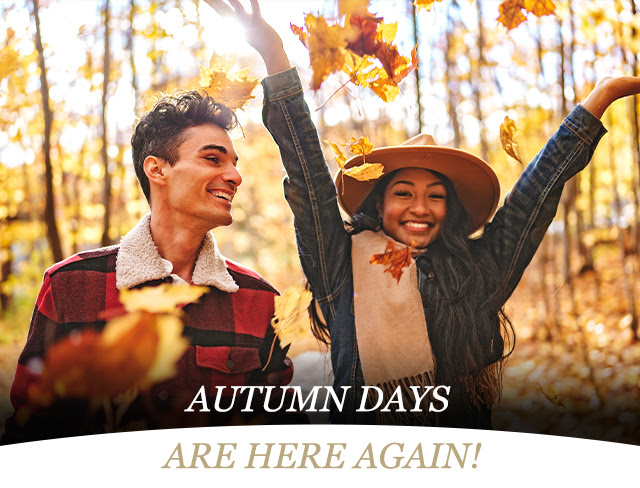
(475, 182)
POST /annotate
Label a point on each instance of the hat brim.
(475, 182)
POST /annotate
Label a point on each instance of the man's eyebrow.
(215, 147)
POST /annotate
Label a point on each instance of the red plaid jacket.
(230, 333)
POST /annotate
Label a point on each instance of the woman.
(440, 321)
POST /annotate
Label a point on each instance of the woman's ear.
(155, 168)
(380, 207)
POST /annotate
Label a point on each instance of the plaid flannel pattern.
(230, 333)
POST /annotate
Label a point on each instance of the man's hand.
(260, 35)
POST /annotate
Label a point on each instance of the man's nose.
(232, 175)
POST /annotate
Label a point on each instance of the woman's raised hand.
(260, 35)
(608, 90)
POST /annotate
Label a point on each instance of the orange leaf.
(358, 7)
(363, 34)
(511, 14)
(361, 146)
(540, 7)
(394, 259)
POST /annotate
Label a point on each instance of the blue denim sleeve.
(323, 243)
(519, 226)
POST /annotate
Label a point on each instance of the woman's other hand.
(608, 90)
(260, 35)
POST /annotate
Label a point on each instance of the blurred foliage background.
(75, 75)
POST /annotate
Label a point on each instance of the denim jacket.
(324, 246)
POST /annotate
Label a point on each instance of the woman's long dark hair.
(468, 328)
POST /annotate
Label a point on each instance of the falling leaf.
(133, 352)
(361, 146)
(353, 7)
(326, 44)
(162, 298)
(551, 395)
(540, 7)
(291, 319)
(426, 4)
(363, 35)
(394, 259)
(231, 88)
(508, 132)
(340, 157)
(511, 14)
(365, 171)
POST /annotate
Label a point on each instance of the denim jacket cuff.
(585, 125)
(281, 85)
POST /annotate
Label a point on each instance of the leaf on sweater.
(162, 298)
(231, 88)
(394, 259)
(291, 318)
(508, 132)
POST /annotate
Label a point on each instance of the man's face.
(203, 181)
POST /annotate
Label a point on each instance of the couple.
(440, 323)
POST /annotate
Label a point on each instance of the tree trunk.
(106, 195)
(450, 81)
(416, 36)
(477, 95)
(49, 208)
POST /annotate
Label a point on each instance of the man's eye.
(213, 159)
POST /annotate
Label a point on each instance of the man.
(186, 164)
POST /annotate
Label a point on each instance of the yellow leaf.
(426, 4)
(551, 395)
(540, 7)
(361, 146)
(508, 132)
(511, 14)
(365, 171)
(352, 7)
(291, 319)
(387, 32)
(231, 88)
(162, 298)
(340, 157)
(171, 347)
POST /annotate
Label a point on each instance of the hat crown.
(420, 140)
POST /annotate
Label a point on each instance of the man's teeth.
(221, 194)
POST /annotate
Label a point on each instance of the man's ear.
(155, 169)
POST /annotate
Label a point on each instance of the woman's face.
(413, 207)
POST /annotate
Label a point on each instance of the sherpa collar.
(139, 261)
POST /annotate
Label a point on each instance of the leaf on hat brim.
(426, 4)
(394, 259)
(551, 395)
(291, 318)
(511, 14)
(508, 132)
(365, 171)
(163, 298)
(231, 88)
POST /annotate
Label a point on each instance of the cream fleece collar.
(139, 261)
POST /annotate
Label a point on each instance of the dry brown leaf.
(551, 395)
(394, 259)
(508, 132)
(231, 88)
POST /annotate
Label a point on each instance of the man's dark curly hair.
(161, 130)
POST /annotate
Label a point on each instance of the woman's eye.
(439, 196)
(402, 193)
